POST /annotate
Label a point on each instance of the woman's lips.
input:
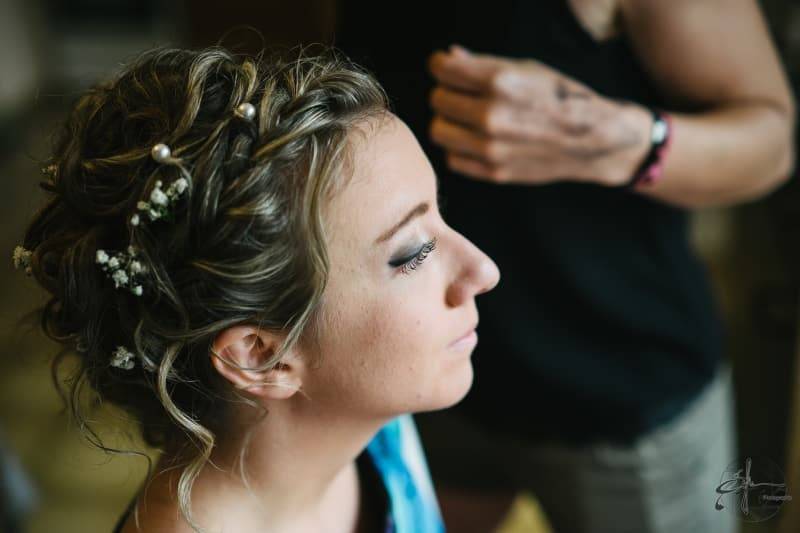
(470, 338)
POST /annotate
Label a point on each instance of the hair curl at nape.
(245, 246)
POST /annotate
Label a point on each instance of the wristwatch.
(653, 165)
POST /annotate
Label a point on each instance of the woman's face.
(386, 343)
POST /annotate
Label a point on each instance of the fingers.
(467, 72)
(463, 108)
(475, 168)
(462, 140)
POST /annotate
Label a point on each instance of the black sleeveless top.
(603, 325)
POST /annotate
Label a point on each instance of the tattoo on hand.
(626, 137)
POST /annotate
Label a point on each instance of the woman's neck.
(301, 475)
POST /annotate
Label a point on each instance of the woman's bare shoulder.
(156, 509)
(152, 518)
(150, 523)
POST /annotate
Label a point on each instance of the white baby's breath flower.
(122, 358)
(120, 278)
(123, 268)
(160, 200)
(136, 267)
(181, 185)
(158, 197)
(22, 257)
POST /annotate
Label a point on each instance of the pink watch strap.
(652, 167)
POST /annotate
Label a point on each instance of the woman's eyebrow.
(419, 209)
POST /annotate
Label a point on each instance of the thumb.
(459, 50)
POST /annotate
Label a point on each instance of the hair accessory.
(123, 268)
(160, 200)
(50, 170)
(246, 110)
(80, 344)
(161, 153)
(122, 358)
(22, 259)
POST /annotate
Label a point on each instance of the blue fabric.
(400, 461)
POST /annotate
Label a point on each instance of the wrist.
(635, 124)
(621, 143)
(651, 169)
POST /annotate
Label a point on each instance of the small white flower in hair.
(120, 278)
(22, 258)
(50, 169)
(123, 268)
(135, 219)
(136, 267)
(122, 358)
(181, 185)
(158, 197)
(160, 200)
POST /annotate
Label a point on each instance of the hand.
(519, 121)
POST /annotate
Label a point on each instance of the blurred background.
(52, 481)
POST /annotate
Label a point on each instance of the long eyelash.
(420, 257)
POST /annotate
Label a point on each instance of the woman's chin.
(453, 386)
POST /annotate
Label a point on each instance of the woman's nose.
(487, 274)
(478, 274)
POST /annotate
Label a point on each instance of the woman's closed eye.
(407, 264)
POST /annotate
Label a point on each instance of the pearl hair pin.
(246, 110)
(161, 153)
(160, 200)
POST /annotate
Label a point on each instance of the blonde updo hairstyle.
(245, 245)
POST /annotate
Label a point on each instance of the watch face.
(660, 129)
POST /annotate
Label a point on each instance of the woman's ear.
(248, 346)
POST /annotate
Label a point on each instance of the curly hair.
(246, 244)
